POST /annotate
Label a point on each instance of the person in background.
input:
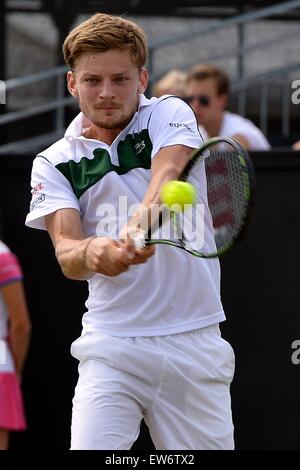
(207, 92)
(173, 83)
(15, 329)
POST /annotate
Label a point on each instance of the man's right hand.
(81, 257)
(109, 257)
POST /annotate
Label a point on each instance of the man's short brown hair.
(203, 71)
(101, 33)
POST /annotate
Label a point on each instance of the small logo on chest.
(139, 147)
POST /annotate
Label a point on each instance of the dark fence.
(261, 295)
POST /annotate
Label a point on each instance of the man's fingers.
(147, 251)
(113, 269)
(125, 255)
(142, 255)
(136, 257)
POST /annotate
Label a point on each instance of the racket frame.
(249, 192)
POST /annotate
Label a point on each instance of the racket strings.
(226, 189)
(223, 176)
(225, 196)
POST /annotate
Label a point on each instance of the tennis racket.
(222, 174)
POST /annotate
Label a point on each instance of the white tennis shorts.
(178, 383)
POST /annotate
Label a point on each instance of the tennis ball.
(177, 194)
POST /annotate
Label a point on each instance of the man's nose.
(107, 89)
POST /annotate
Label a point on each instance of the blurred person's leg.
(4, 436)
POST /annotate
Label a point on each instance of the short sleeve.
(10, 270)
(173, 122)
(234, 124)
(50, 191)
(254, 136)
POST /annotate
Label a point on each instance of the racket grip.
(139, 241)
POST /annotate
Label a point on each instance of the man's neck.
(103, 135)
(213, 129)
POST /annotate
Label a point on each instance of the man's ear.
(71, 83)
(223, 101)
(143, 82)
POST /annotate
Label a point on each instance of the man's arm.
(167, 165)
(81, 257)
(242, 140)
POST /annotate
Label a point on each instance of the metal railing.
(222, 25)
(60, 102)
(263, 83)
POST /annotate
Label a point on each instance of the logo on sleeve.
(37, 200)
(37, 195)
(37, 188)
(181, 124)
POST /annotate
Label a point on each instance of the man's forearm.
(71, 255)
(152, 195)
(148, 212)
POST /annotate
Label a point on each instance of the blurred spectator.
(173, 83)
(14, 338)
(207, 91)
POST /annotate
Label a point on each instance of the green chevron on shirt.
(133, 152)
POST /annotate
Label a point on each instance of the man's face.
(107, 85)
(205, 101)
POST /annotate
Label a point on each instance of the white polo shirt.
(174, 291)
(234, 124)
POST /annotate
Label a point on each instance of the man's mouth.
(107, 107)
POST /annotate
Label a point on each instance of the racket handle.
(139, 241)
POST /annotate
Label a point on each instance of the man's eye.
(91, 80)
(121, 79)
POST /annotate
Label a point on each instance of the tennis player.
(150, 346)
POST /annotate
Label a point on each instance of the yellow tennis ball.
(177, 194)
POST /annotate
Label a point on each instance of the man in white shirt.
(150, 346)
(207, 91)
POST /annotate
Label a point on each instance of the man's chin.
(111, 124)
(108, 125)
